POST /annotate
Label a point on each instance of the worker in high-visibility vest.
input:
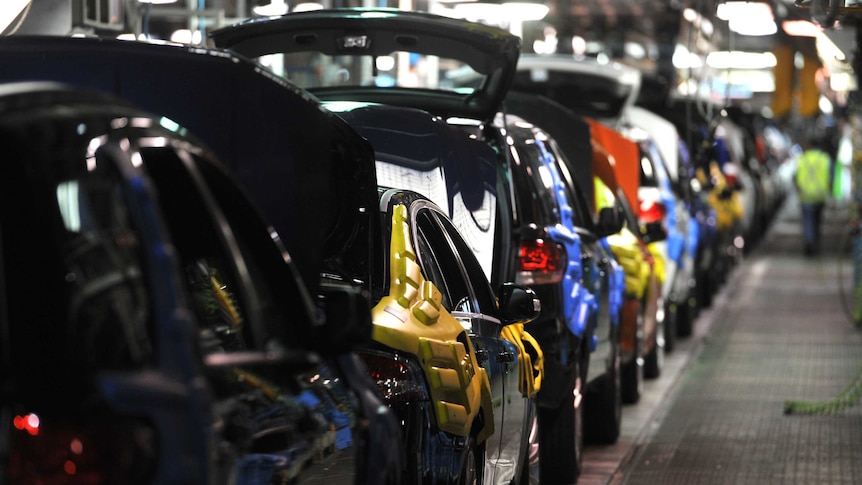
(813, 186)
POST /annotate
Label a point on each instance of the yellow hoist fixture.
(411, 318)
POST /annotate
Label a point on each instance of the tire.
(631, 381)
(603, 407)
(530, 466)
(632, 372)
(671, 322)
(683, 317)
(654, 360)
(561, 437)
(473, 468)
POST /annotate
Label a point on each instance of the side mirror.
(518, 304)
(653, 231)
(347, 323)
(611, 221)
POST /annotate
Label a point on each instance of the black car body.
(346, 47)
(419, 152)
(155, 329)
(589, 294)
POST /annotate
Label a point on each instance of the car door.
(282, 412)
(452, 266)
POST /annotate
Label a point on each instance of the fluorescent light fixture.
(740, 60)
(308, 7)
(525, 11)
(186, 36)
(157, 2)
(683, 59)
(500, 12)
(748, 18)
(737, 9)
(272, 9)
(752, 26)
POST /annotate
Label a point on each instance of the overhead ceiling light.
(499, 11)
(272, 9)
(525, 10)
(748, 18)
(740, 60)
(157, 2)
(308, 7)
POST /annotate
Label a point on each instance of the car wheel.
(603, 407)
(530, 467)
(654, 360)
(671, 325)
(473, 470)
(683, 322)
(632, 371)
(561, 437)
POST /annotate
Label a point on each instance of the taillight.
(398, 380)
(540, 262)
(48, 451)
(651, 211)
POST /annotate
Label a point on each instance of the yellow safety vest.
(812, 176)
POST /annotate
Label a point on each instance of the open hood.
(389, 56)
(626, 159)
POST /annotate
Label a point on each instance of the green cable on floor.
(848, 397)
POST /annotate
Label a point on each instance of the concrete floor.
(779, 330)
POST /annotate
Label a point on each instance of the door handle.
(505, 357)
(481, 356)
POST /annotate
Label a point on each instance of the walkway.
(778, 331)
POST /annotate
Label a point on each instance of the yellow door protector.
(531, 370)
(411, 319)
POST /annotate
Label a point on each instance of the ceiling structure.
(648, 34)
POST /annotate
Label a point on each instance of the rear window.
(312, 70)
(585, 94)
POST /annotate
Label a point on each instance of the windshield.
(311, 70)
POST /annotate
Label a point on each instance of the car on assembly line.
(320, 210)
(606, 93)
(416, 151)
(642, 311)
(439, 355)
(419, 60)
(587, 144)
(155, 329)
(570, 268)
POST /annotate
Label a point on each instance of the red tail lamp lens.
(540, 262)
(48, 451)
(397, 381)
(652, 211)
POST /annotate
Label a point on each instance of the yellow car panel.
(412, 319)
